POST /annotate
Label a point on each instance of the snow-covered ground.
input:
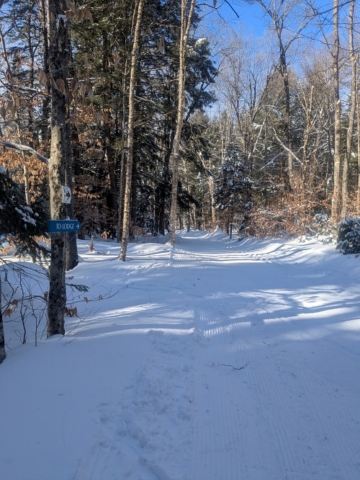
(216, 360)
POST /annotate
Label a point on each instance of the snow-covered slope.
(216, 360)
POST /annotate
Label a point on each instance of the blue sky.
(253, 20)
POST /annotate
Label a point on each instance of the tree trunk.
(46, 101)
(130, 139)
(212, 201)
(133, 196)
(26, 184)
(58, 61)
(335, 205)
(57, 291)
(2, 335)
(358, 152)
(211, 193)
(71, 253)
(352, 111)
(187, 9)
(110, 162)
(163, 187)
(305, 157)
(108, 137)
(285, 76)
(122, 162)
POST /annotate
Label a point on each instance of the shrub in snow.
(325, 229)
(348, 240)
(321, 219)
(322, 229)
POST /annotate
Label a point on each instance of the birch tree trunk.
(2, 336)
(58, 63)
(130, 139)
(187, 10)
(350, 129)
(335, 204)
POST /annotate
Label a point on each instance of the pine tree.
(233, 188)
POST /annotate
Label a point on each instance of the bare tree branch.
(24, 148)
(290, 152)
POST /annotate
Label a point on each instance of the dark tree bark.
(165, 178)
(45, 131)
(2, 336)
(122, 157)
(58, 63)
(71, 254)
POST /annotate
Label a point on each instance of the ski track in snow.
(248, 368)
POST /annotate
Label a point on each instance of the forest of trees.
(157, 123)
(159, 115)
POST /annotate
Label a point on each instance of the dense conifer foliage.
(349, 236)
(20, 223)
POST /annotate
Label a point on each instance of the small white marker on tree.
(66, 195)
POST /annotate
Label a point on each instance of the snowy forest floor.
(216, 360)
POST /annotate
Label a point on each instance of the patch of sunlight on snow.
(237, 326)
(312, 300)
(134, 312)
(350, 325)
(136, 331)
(311, 334)
(139, 317)
(136, 308)
(211, 332)
(271, 296)
(310, 316)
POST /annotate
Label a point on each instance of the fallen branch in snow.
(105, 296)
(225, 365)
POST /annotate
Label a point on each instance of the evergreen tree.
(233, 188)
(20, 223)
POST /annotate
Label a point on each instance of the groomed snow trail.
(221, 360)
(276, 382)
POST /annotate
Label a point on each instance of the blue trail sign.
(63, 226)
